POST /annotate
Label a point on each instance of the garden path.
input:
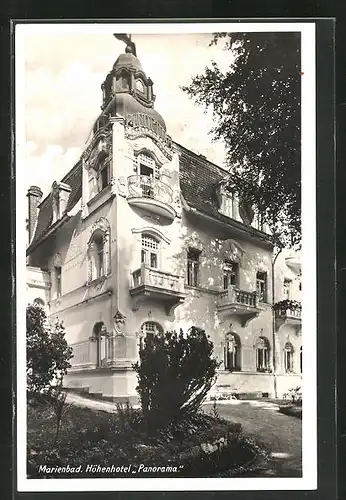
(281, 434)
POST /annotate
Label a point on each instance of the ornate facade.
(141, 236)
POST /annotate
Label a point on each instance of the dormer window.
(228, 202)
(60, 196)
(140, 86)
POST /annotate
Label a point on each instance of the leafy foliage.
(209, 447)
(256, 106)
(283, 305)
(175, 373)
(294, 395)
(48, 353)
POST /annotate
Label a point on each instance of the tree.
(175, 373)
(48, 353)
(256, 106)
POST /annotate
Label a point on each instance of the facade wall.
(83, 304)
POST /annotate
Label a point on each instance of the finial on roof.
(130, 46)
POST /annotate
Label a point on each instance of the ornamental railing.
(289, 313)
(149, 276)
(235, 296)
(143, 186)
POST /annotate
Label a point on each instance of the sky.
(62, 94)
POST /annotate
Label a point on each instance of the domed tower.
(128, 92)
(129, 150)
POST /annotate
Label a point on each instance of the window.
(262, 354)
(149, 328)
(287, 289)
(58, 280)
(150, 250)
(147, 165)
(230, 274)
(103, 176)
(261, 286)
(258, 221)
(301, 360)
(39, 302)
(139, 85)
(97, 255)
(193, 267)
(100, 334)
(228, 204)
(232, 352)
(288, 353)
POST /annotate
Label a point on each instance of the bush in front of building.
(48, 353)
(293, 403)
(175, 374)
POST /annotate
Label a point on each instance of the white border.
(309, 479)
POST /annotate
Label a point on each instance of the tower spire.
(126, 38)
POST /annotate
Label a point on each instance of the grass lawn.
(205, 446)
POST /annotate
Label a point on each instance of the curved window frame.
(98, 252)
(232, 352)
(149, 328)
(262, 355)
(288, 358)
(99, 336)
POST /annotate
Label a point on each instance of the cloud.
(63, 95)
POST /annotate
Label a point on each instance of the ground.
(281, 434)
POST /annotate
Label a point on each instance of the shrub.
(48, 353)
(283, 305)
(175, 373)
(294, 395)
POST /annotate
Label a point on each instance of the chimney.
(60, 196)
(34, 199)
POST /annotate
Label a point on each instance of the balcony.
(151, 195)
(154, 284)
(288, 313)
(239, 303)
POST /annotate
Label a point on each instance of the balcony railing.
(143, 186)
(234, 296)
(240, 303)
(149, 276)
(289, 313)
(157, 284)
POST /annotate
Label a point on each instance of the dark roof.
(199, 179)
(45, 215)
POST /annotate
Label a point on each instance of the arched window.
(288, 357)
(232, 352)
(99, 250)
(39, 302)
(262, 354)
(97, 255)
(301, 359)
(147, 167)
(139, 85)
(99, 335)
(150, 250)
(149, 328)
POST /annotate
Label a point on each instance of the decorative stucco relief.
(119, 322)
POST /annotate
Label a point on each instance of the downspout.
(273, 322)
